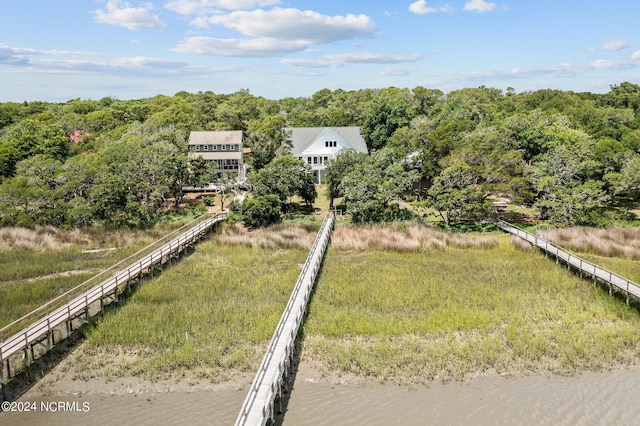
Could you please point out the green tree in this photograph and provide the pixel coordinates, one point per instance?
(285, 177)
(337, 169)
(29, 137)
(564, 178)
(374, 188)
(386, 114)
(261, 211)
(457, 193)
(267, 139)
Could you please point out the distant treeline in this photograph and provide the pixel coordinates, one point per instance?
(574, 157)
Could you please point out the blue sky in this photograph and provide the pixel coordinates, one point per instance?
(56, 50)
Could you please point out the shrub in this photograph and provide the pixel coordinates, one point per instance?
(261, 211)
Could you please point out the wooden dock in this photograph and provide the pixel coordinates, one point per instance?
(54, 321)
(258, 406)
(615, 282)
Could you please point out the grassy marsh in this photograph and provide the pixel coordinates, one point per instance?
(211, 315)
(448, 313)
(36, 265)
(616, 249)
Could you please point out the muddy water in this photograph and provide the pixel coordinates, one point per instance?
(588, 398)
(585, 399)
(220, 407)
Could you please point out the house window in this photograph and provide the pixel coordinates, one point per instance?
(315, 160)
(308, 160)
(325, 160)
(224, 147)
(206, 147)
(197, 148)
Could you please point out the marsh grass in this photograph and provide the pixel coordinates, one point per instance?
(406, 237)
(36, 265)
(448, 314)
(210, 315)
(613, 242)
(283, 235)
(616, 249)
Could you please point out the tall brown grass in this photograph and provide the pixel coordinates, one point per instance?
(520, 244)
(38, 239)
(49, 238)
(300, 236)
(615, 242)
(406, 238)
(395, 237)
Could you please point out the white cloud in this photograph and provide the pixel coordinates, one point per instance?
(479, 6)
(370, 58)
(420, 8)
(636, 56)
(396, 72)
(275, 32)
(341, 59)
(295, 24)
(257, 47)
(613, 45)
(195, 7)
(78, 62)
(133, 18)
(22, 56)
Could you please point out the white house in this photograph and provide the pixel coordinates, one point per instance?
(223, 147)
(317, 146)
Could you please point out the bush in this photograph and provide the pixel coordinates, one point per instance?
(261, 211)
(207, 201)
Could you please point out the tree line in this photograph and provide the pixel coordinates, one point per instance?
(574, 157)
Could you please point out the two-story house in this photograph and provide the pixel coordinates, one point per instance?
(317, 146)
(223, 147)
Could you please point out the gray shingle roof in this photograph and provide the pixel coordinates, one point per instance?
(303, 137)
(215, 137)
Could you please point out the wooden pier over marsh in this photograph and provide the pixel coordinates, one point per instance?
(43, 328)
(268, 383)
(615, 282)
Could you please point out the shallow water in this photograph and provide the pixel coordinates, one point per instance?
(219, 407)
(584, 399)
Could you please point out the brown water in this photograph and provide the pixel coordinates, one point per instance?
(589, 398)
(607, 398)
(219, 407)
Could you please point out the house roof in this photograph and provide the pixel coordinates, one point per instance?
(215, 137)
(304, 137)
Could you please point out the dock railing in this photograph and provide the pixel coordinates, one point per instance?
(615, 281)
(42, 321)
(257, 408)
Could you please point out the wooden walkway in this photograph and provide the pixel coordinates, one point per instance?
(615, 282)
(268, 382)
(38, 329)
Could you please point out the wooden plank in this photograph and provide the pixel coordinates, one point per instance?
(619, 282)
(256, 409)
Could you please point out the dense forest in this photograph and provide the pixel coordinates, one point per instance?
(574, 158)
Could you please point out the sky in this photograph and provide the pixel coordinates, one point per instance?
(57, 50)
